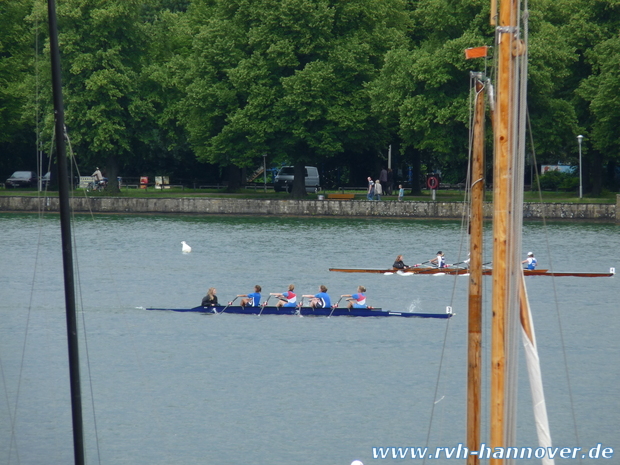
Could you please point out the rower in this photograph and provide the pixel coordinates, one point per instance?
(357, 300)
(531, 261)
(439, 260)
(253, 299)
(399, 264)
(288, 298)
(320, 300)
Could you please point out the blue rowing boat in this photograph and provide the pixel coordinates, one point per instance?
(305, 311)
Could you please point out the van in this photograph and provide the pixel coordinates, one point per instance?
(284, 179)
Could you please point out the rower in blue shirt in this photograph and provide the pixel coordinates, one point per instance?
(531, 261)
(253, 299)
(320, 300)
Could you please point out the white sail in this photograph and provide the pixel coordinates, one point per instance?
(533, 369)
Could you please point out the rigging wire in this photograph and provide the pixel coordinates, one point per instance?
(555, 290)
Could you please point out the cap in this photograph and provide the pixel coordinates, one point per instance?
(530, 253)
(440, 252)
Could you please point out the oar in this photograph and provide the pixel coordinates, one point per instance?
(423, 263)
(299, 306)
(229, 304)
(334, 307)
(264, 305)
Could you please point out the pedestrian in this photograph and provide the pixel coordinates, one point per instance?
(371, 189)
(383, 179)
(401, 192)
(378, 190)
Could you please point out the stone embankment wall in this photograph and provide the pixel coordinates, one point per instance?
(355, 208)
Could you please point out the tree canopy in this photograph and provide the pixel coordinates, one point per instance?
(205, 88)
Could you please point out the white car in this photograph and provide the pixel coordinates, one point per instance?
(284, 179)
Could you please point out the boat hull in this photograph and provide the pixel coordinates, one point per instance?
(306, 311)
(463, 271)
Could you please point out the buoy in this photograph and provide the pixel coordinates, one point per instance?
(186, 248)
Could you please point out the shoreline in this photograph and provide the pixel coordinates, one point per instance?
(608, 213)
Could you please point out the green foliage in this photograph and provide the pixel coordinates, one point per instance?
(558, 181)
(156, 85)
(285, 78)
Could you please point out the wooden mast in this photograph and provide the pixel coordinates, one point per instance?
(474, 352)
(502, 218)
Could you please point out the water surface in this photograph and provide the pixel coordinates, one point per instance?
(187, 388)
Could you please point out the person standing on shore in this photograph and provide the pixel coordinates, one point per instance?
(370, 195)
(383, 180)
(401, 192)
(378, 190)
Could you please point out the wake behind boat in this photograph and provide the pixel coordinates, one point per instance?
(307, 311)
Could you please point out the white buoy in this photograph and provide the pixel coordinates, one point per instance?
(186, 248)
(356, 462)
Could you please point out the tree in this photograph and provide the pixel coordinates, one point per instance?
(422, 91)
(17, 117)
(101, 46)
(285, 78)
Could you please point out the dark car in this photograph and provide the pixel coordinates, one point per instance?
(22, 179)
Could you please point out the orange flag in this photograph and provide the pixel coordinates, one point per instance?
(476, 52)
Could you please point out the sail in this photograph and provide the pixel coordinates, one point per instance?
(534, 372)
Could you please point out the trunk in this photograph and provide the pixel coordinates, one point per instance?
(112, 175)
(234, 178)
(299, 182)
(597, 173)
(413, 156)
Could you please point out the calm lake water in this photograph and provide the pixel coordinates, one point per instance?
(169, 387)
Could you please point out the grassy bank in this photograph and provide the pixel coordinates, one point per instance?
(259, 193)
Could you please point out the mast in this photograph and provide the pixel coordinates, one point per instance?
(507, 220)
(67, 252)
(474, 354)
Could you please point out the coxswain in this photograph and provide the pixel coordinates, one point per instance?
(399, 264)
(210, 300)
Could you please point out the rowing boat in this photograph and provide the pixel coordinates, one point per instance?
(307, 311)
(465, 271)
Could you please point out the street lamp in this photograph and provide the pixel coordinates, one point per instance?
(579, 139)
(265, 171)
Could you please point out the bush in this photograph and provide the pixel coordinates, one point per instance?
(558, 181)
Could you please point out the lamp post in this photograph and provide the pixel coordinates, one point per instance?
(265, 171)
(579, 139)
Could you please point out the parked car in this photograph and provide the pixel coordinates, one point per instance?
(284, 179)
(22, 179)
